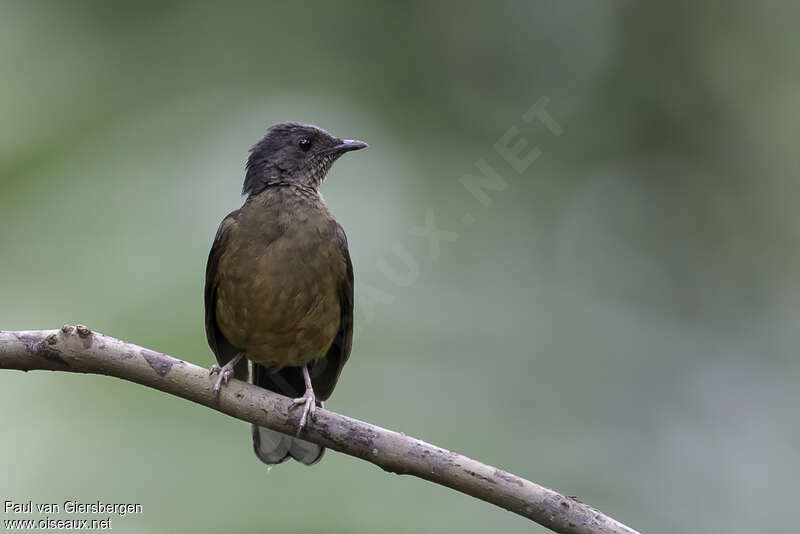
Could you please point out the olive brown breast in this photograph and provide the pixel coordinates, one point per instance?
(278, 290)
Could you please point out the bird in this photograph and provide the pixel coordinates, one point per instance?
(279, 282)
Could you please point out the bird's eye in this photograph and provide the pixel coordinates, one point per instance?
(305, 144)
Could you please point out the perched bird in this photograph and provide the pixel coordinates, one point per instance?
(279, 282)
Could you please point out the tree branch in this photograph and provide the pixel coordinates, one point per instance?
(79, 350)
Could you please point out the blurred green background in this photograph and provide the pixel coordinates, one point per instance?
(620, 323)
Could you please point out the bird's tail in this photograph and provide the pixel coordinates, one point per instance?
(273, 447)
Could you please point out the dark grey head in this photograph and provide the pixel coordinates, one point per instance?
(293, 153)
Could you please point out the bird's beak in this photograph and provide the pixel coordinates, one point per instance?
(347, 145)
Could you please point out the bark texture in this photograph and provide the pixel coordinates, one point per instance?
(77, 349)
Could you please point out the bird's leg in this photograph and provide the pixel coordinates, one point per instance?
(225, 372)
(308, 399)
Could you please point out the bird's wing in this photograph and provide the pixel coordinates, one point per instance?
(221, 347)
(325, 372)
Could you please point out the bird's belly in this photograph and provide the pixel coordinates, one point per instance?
(280, 304)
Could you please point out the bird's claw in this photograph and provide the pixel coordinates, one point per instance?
(225, 373)
(310, 404)
(224, 376)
